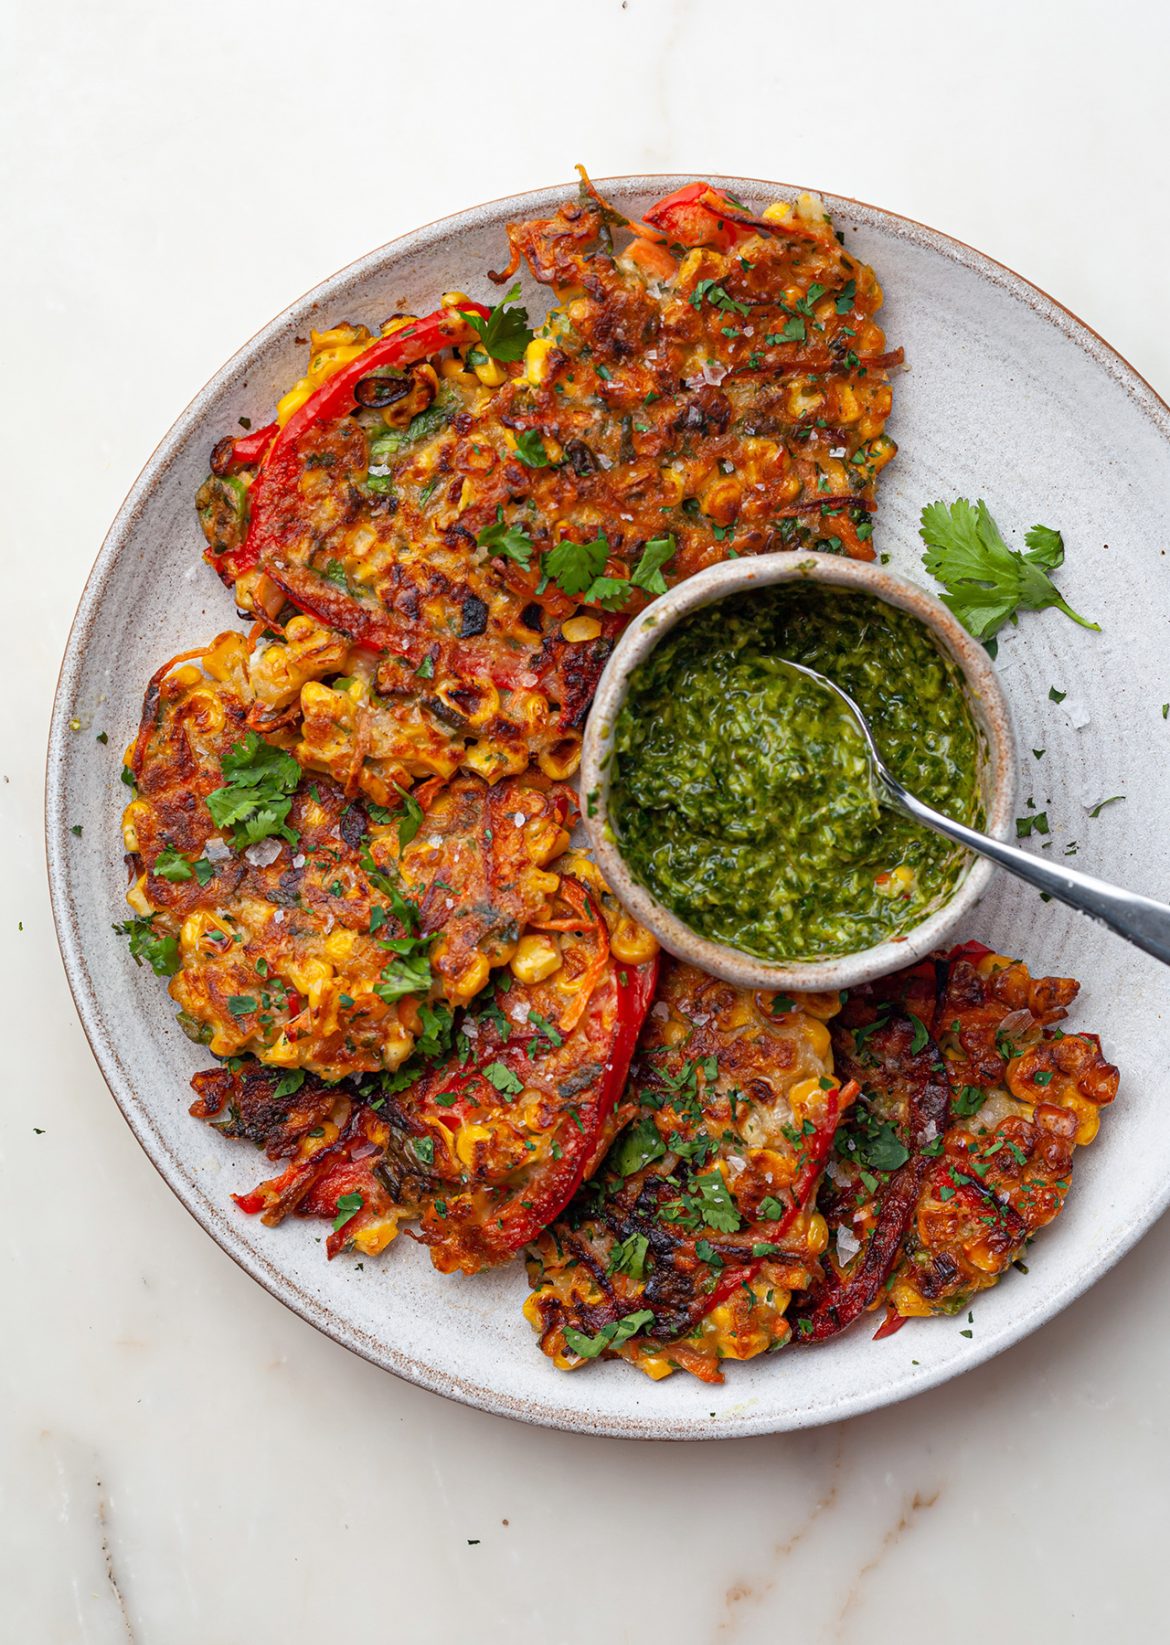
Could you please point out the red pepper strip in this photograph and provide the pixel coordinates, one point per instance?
(521, 1221)
(892, 1322)
(334, 399)
(250, 448)
(698, 214)
(610, 1031)
(973, 951)
(278, 1196)
(836, 1303)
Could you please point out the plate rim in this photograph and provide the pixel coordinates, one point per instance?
(314, 1308)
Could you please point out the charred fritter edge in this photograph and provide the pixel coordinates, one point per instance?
(685, 1249)
(314, 929)
(960, 1146)
(683, 401)
(480, 1147)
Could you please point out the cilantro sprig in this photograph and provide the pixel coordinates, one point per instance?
(505, 334)
(511, 542)
(987, 582)
(578, 569)
(160, 952)
(259, 781)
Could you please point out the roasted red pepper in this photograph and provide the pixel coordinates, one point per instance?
(445, 328)
(698, 215)
(829, 1307)
(521, 1220)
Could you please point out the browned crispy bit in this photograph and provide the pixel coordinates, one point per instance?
(1022, 1095)
(685, 1250)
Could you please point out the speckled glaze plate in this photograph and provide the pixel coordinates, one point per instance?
(1006, 396)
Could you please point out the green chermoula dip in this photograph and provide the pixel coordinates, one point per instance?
(740, 793)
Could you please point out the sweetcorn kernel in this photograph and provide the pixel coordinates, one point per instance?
(137, 898)
(134, 813)
(536, 359)
(537, 957)
(578, 629)
(632, 943)
(339, 945)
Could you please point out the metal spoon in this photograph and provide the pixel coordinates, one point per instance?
(1140, 920)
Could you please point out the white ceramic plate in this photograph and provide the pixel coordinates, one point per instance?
(1008, 397)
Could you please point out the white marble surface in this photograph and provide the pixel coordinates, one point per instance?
(180, 1459)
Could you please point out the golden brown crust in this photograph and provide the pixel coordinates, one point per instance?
(1023, 1095)
(731, 401)
(685, 1249)
(283, 946)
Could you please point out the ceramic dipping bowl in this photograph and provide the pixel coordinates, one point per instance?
(997, 768)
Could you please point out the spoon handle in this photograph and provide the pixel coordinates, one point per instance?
(1140, 920)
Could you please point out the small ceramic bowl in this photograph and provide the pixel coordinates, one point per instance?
(997, 768)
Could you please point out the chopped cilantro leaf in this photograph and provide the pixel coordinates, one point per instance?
(1096, 810)
(647, 573)
(160, 953)
(574, 566)
(409, 819)
(629, 1256)
(636, 1147)
(257, 795)
(348, 1206)
(172, 865)
(507, 540)
(503, 1079)
(505, 334)
(530, 449)
(610, 1336)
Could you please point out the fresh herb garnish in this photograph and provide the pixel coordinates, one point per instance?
(647, 573)
(160, 953)
(172, 865)
(629, 1256)
(502, 1077)
(1096, 810)
(986, 581)
(968, 1100)
(530, 449)
(409, 818)
(507, 540)
(716, 295)
(505, 334)
(1026, 826)
(257, 794)
(348, 1206)
(708, 1203)
(636, 1148)
(610, 1336)
(574, 567)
